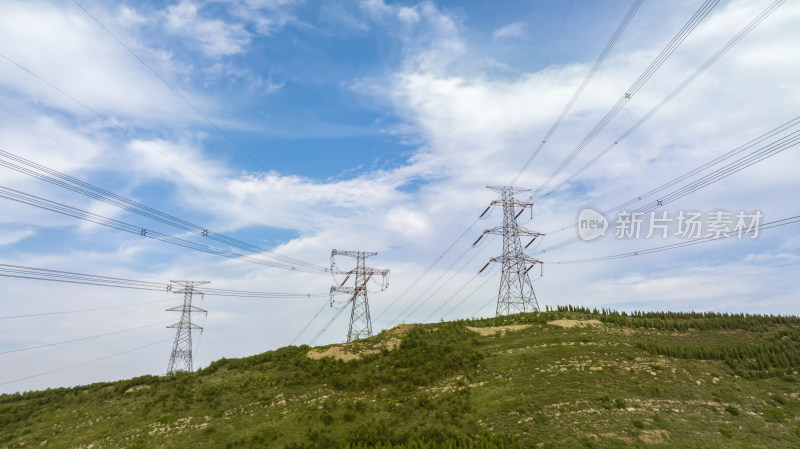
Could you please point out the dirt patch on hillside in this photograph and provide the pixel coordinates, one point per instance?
(400, 330)
(338, 352)
(575, 323)
(490, 331)
(354, 350)
(654, 436)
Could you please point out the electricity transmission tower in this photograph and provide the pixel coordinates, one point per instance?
(360, 322)
(516, 292)
(181, 358)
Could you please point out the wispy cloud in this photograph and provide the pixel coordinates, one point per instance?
(512, 30)
(217, 37)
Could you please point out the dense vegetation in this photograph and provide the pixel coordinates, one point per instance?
(642, 378)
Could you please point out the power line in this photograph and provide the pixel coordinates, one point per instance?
(475, 291)
(456, 272)
(428, 269)
(483, 307)
(61, 208)
(83, 338)
(84, 363)
(17, 271)
(598, 62)
(536, 84)
(405, 312)
(783, 127)
(131, 134)
(313, 318)
(463, 286)
(665, 53)
(255, 294)
(771, 149)
(171, 87)
(84, 310)
(325, 328)
(46, 174)
(709, 62)
(769, 225)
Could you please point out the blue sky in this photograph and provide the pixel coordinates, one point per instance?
(374, 126)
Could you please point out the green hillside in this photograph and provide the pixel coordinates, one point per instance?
(566, 378)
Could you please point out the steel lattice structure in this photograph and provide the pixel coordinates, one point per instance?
(360, 321)
(181, 358)
(516, 291)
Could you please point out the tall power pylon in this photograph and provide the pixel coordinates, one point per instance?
(516, 291)
(181, 358)
(360, 321)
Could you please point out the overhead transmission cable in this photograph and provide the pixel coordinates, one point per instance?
(475, 314)
(333, 318)
(313, 318)
(662, 57)
(47, 345)
(709, 62)
(172, 88)
(85, 363)
(61, 208)
(768, 225)
(33, 169)
(457, 292)
(592, 71)
(17, 271)
(538, 78)
(783, 127)
(132, 134)
(430, 286)
(430, 267)
(63, 312)
(768, 150)
(447, 281)
(471, 294)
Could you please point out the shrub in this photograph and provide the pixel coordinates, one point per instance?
(774, 415)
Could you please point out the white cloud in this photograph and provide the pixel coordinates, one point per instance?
(430, 38)
(512, 30)
(70, 51)
(8, 237)
(217, 37)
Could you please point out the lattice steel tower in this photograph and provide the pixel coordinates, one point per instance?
(360, 321)
(516, 291)
(181, 358)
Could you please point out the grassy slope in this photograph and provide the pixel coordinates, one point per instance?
(596, 386)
